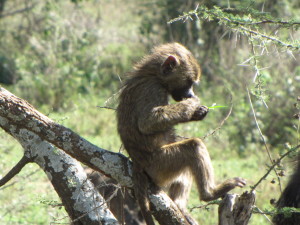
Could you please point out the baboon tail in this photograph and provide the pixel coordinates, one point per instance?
(141, 183)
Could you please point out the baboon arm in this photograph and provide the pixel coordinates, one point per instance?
(162, 118)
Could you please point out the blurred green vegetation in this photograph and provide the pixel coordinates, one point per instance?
(68, 57)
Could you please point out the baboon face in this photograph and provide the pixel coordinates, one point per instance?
(184, 92)
(179, 75)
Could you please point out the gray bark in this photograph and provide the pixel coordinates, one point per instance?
(39, 131)
(82, 201)
(236, 210)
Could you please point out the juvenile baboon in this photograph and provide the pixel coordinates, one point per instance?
(146, 121)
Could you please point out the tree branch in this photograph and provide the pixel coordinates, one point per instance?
(80, 198)
(263, 138)
(238, 24)
(15, 170)
(18, 117)
(18, 114)
(276, 163)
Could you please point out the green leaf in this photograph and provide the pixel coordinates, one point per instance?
(217, 106)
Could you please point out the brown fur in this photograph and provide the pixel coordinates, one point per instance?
(146, 121)
(290, 197)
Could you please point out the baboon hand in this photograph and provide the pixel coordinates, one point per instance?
(200, 113)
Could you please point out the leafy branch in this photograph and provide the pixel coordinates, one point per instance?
(286, 211)
(246, 21)
(258, 77)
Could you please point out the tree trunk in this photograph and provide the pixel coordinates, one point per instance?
(236, 210)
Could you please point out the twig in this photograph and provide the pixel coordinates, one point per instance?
(15, 170)
(215, 202)
(263, 138)
(273, 166)
(222, 122)
(263, 213)
(269, 38)
(22, 178)
(270, 22)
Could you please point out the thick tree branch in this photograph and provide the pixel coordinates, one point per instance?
(17, 115)
(80, 198)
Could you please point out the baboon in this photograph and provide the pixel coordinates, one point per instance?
(146, 121)
(290, 197)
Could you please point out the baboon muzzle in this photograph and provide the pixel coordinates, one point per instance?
(182, 93)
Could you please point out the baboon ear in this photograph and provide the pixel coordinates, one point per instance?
(169, 64)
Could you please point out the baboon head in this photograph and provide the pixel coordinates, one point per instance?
(179, 70)
(174, 66)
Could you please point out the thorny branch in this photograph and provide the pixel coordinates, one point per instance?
(273, 39)
(238, 24)
(263, 138)
(275, 163)
(202, 10)
(258, 74)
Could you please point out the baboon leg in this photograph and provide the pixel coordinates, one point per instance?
(179, 189)
(179, 192)
(190, 154)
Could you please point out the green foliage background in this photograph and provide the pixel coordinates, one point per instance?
(68, 57)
